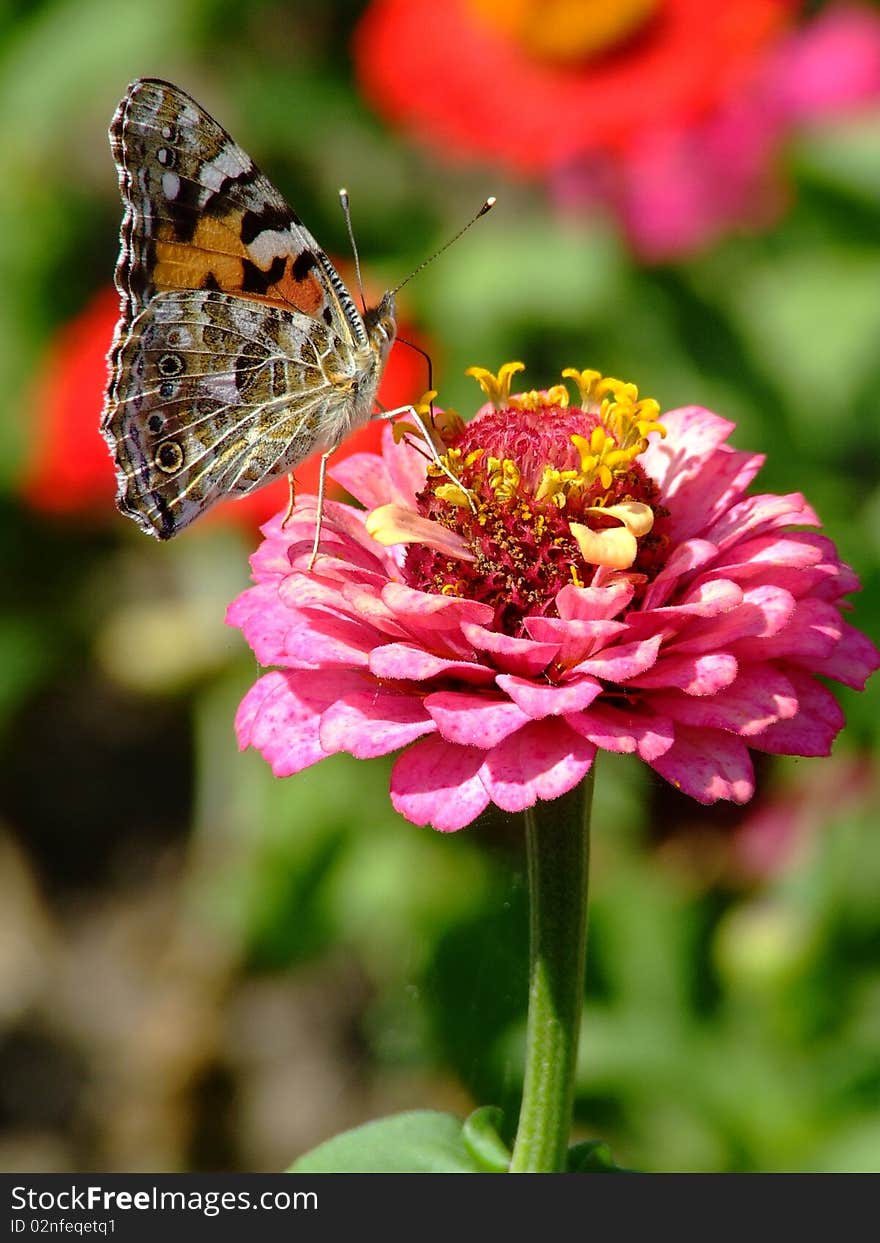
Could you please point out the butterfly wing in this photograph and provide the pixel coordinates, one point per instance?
(216, 395)
(199, 214)
(239, 351)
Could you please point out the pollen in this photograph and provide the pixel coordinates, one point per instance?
(542, 492)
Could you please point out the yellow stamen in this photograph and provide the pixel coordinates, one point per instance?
(453, 495)
(496, 387)
(537, 399)
(504, 478)
(555, 485)
(586, 382)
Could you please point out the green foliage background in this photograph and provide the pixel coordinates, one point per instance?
(206, 968)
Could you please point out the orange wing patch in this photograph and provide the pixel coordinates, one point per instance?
(216, 258)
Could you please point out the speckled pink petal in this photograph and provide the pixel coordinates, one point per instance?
(751, 557)
(593, 603)
(842, 583)
(317, 639)
(474, 720)
(852, 662)
(814, 727)
(813, 633)
(280, 719)
(695, 675)
(625, 730)
(703, 498)
(365, 476)
(367, 606)
(263, 621)
(542, 760)
(758, 514)
(708, 765)
(510, 655)
(407, 468)
(576, 639)
(425, 614)
(764, 611)
(407, 661)
(540, 699)
(435, 782)
(373, 721)
(797, 582)
(760, 696)
(711, 600)
(685, 559)
(626, 660)
(298, 591)
(271, 559)
(692, 434)
(339, 567)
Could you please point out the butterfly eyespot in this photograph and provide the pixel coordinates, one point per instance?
(155, 422)
(166, 156)
(169, 132)
(167, 389)
(170, 365)
(169, 457)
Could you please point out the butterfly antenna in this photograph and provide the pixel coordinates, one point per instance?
(346, 211)
(427, 357)
(487, 206)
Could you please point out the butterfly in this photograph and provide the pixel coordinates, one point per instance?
(239, 351)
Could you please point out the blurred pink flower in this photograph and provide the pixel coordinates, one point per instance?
(678, 187)
(593, 580)
(773, 835)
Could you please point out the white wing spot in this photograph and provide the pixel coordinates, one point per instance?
(162, 155)
(269, 245)
(170, 185)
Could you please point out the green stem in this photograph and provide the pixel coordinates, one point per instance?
(557, 843)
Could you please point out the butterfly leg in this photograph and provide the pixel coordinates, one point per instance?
(322, 475)
(432, 448)
(290, 500)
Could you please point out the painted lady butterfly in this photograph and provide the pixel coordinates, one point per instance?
(239, 351)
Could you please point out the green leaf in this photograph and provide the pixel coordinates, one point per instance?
(593, 1156)
(421, 1142)
(481, 1138)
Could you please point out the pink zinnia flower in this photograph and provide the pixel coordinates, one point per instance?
(582, 578)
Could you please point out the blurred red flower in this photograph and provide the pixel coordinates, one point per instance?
(68, 470)
(669, 111)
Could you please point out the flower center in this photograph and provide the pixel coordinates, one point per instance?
(566, 31)
(547, 493)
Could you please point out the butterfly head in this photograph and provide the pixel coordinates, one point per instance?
(381, 325)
